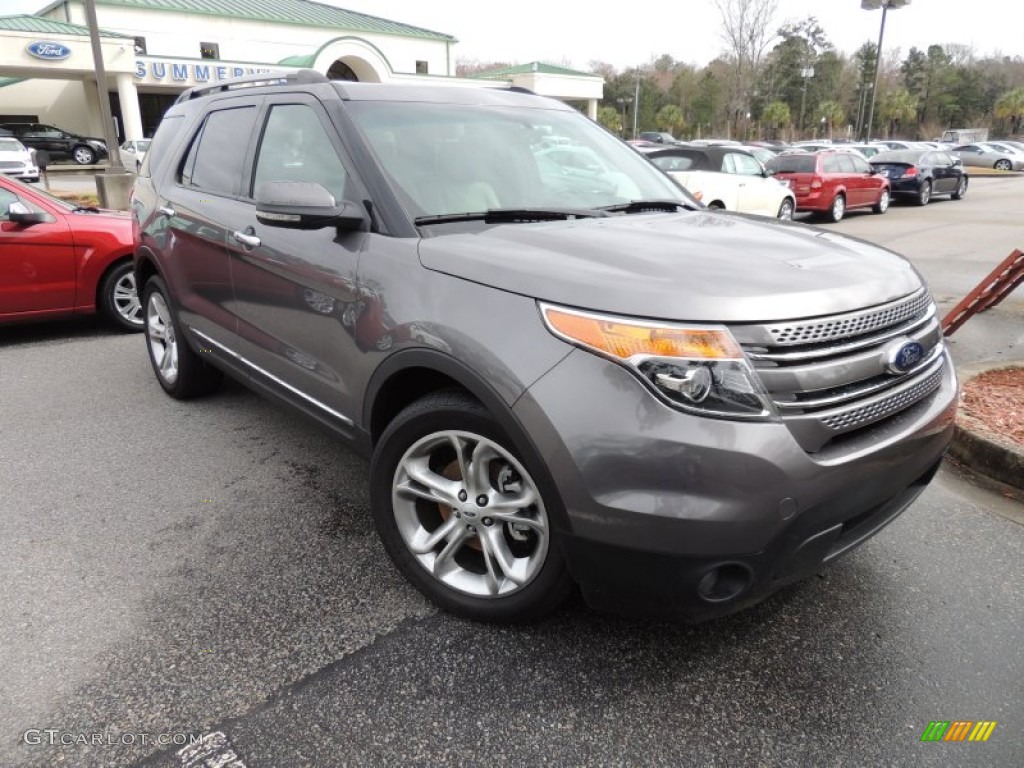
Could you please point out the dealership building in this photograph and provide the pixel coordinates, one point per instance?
(155, 49)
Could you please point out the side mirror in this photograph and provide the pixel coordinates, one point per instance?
(304, 205)
(19, 213)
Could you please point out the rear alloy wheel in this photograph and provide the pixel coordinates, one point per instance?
(181, 372)
(83, 155)
(924, 194)
(838, 209)
(462, 516)
(961, 189)
(1003, 165)
(120, 300)
(786, 210)
(883, 202)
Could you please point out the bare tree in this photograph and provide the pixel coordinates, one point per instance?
(748, 26)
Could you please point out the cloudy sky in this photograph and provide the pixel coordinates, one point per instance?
(579, 31)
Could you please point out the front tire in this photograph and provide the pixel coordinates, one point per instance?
(181, 372)
(883, 202)
(1003, 165)
(461, 516)
(119, 298)
(837, 209)
(83, 155)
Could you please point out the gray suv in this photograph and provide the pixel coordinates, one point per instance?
(560, 379)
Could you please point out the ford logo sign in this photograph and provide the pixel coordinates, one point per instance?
(43, 49)
(902, 355)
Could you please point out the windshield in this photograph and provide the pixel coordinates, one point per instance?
(451, 158)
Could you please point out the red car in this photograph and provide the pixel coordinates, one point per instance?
(59, 259)
(832, 182)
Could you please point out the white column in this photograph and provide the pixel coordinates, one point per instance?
(130, 114)
(592, 109)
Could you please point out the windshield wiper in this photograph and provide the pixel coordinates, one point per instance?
(512, 215)
(642, 206)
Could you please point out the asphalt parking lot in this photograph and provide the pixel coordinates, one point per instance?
(173, 570)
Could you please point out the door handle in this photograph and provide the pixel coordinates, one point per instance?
(246, 239)
(166, 210)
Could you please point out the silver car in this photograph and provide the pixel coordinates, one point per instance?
(133, 152)
(983, 156)
(559, 379)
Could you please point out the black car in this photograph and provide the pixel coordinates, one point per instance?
(921, 174)
(60, 144)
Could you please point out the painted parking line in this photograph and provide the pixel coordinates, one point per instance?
(214, 750)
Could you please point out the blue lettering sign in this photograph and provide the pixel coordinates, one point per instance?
(140, 69)
(222, 73)
(159, 70)
(202, 72)
(237, 72)
(179, 72)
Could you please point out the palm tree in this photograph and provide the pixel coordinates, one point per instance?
(833, 113)
(1011, 106)
(776, 115)
(609, 117)
(899, 105)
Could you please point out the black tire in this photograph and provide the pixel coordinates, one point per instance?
(119, 299)
(1003, 165)
(884, 198)
(786, 210)
(83, 155)
(454, 411)
(924, 194)
(837, 210)
(961, 189)
(715, 205)
(193, 376)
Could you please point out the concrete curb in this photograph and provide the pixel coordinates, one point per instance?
(982, 450)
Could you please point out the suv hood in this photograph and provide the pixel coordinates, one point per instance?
(700, 266)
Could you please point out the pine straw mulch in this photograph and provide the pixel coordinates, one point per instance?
(996, 399)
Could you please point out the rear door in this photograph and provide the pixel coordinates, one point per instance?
(945, 173)
(203, 205)
(755, 194)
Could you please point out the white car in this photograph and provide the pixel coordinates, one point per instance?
(133, 152)
(726, 177)
(16, 160)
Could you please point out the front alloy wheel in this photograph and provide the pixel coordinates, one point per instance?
(883, 202)
(83, 156)
(1003, 165)
(786, 210)
(162, 339)
(838, 209)
(462, 516)
(119, 298)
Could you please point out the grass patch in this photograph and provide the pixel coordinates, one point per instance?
(77, 198)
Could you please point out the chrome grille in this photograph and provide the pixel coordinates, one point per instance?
(828, 376)
(868, 414)
(851, 324)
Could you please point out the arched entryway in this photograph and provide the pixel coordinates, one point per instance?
(352, 58)
(339, 70)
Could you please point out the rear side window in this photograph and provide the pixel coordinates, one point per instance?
(215, 159)
(832, 164)
(793, 164)
(673, 163)
(165, 132)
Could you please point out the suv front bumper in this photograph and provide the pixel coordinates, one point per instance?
(678, 515)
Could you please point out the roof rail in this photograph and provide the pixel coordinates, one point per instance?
(302, 77)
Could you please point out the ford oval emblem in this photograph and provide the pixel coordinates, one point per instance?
(43, 49)
(902, 355)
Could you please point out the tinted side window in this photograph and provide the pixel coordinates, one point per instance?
(6, 198)
(860, 165)
(745, 164)
(295, 147)
(166, 131)
(793, 164)
(832, 164)
(218, 152)
(673, 162)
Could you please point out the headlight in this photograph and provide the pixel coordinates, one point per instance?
(697, 368)
(97, 144)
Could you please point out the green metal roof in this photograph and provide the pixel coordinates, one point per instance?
(302, 12)
(306, 60)
(5, 81)
(26, 23)
(534, 66)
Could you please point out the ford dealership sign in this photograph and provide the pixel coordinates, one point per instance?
(43, 49)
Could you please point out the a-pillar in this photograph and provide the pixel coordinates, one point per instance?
(130, 114)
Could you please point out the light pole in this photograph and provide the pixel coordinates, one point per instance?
(622, 103)
(636, 102)
(806, 73)
(874, 5)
